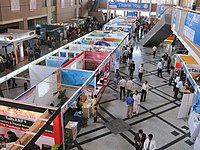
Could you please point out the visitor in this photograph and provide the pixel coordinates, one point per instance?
(154, 51)
(178, 87)
(145, 87)
(139, 138)
(136, 98)
(14, 58)
(129, 102)
(129, 86)
(95, 114)
(131, 52)
(194, 6)
(11, 137)
(177, 78)
(159, 68)
(131, 68)
(149, 143)
(140, 72)
(116, 78)
(168, 64)
(171, 75)
(122, 84)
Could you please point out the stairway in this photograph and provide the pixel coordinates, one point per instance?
(160, 31)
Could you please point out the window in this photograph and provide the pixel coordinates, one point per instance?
(44, 3)
(53, 2)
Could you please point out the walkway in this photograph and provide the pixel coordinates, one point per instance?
(158, 115)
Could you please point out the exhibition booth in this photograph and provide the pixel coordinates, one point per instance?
(13, 41)
(191, 99)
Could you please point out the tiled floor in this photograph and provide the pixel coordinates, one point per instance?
(158, 115)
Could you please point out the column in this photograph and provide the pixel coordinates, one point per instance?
(49, 14)
(23, 24)
(77, 8)
(21, 48)
(150, 9)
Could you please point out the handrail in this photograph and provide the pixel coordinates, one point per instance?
(182, 8)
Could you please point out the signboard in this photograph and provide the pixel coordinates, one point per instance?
(33, 5)
(15, 5)
(191, 28)
(174, 19)
(129, 5)
(161, 9)
(193, 68)
(179, 21)
(132, 13)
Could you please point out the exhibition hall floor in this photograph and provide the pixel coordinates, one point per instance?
(158, 115)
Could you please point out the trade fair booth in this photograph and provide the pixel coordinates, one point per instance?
(191, 100)
(13, 41)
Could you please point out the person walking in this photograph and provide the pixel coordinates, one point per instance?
(131, 68)
(177, 78)
(131, 52)
(136, 98)
(145, 87)
(154, 51)
(122, 84)
(129, 86)
(179, 85)
(159, 68)
(194, 6)
(116, 78)
(168, 64)
(140, 72)
(129, 102)
(139, 138)
(149, 143)
(171, 75)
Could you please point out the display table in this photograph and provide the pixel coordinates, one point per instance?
(184, 90)
(72, 129)
(197, 144)
(194, 124)
(87, 109)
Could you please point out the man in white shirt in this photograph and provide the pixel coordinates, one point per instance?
(129, 86)
(122, 84)
(179, 85)
(159, 68)
(176, 81)
(149, 143)
(154, 51)
(145, 87)
(141, 71)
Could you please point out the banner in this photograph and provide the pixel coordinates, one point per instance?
(191, 28)
(55, 61)
(15, 5)
(129, 5)
(161, 9)
(75, 77)
(33, 4)
(132, 13)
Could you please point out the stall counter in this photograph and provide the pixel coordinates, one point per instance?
(194, 124)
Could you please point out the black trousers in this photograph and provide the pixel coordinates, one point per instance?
(128, 92)
(140, 76)
(143, 95)
(176, 92)
(159, 73)
(154, 54)
(131, 72)
(174, 86)
(122, 90)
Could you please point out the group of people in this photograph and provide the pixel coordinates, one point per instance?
(143, 142)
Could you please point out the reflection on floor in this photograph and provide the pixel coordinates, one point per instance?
(158, 115)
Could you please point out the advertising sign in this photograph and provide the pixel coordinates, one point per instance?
(54, 61)
(129, 5)
(191, 28)
(174, 19)
(132, 13)
(161, 9)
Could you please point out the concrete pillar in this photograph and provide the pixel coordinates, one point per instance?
(49, 14)
(21, 48)
(77, 8)
(23, 24)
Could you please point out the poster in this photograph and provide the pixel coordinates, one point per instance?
(33, 4)
(62, 3)
(129, 5)
(191, 28)
(15, 5)
(161, 9)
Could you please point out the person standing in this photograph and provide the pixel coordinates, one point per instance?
(129, 102)
(159, 68)
(179, 85)
(149, 143)
(116, 78)
(122, 84)
(154, 51)
(171, 75)
(95, 114)
(136, 98)
(129, 86)
(176, 81)
(139, 139)
(131, 68)
(168, 64)
(141, 71)
(131, 52)
(194, 6)
(145, 87)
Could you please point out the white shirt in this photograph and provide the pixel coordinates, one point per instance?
(129, 85)
(159, 65)
(177, 79)
(122, 83)
(136, 99)
(141, 69)
(145, 86)
(154, 48)
(179, 85)
(152, 144)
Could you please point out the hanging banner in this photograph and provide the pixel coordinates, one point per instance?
(129, 5)
(15, 5)
(62, 3)
(191, 28)
(132, 13)
(33, 5)
(161, 9)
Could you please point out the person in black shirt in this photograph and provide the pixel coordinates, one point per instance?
(194, 6)
(12, 136)
(131, 68)
(139, 140)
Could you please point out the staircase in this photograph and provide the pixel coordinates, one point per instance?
(160, 31)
